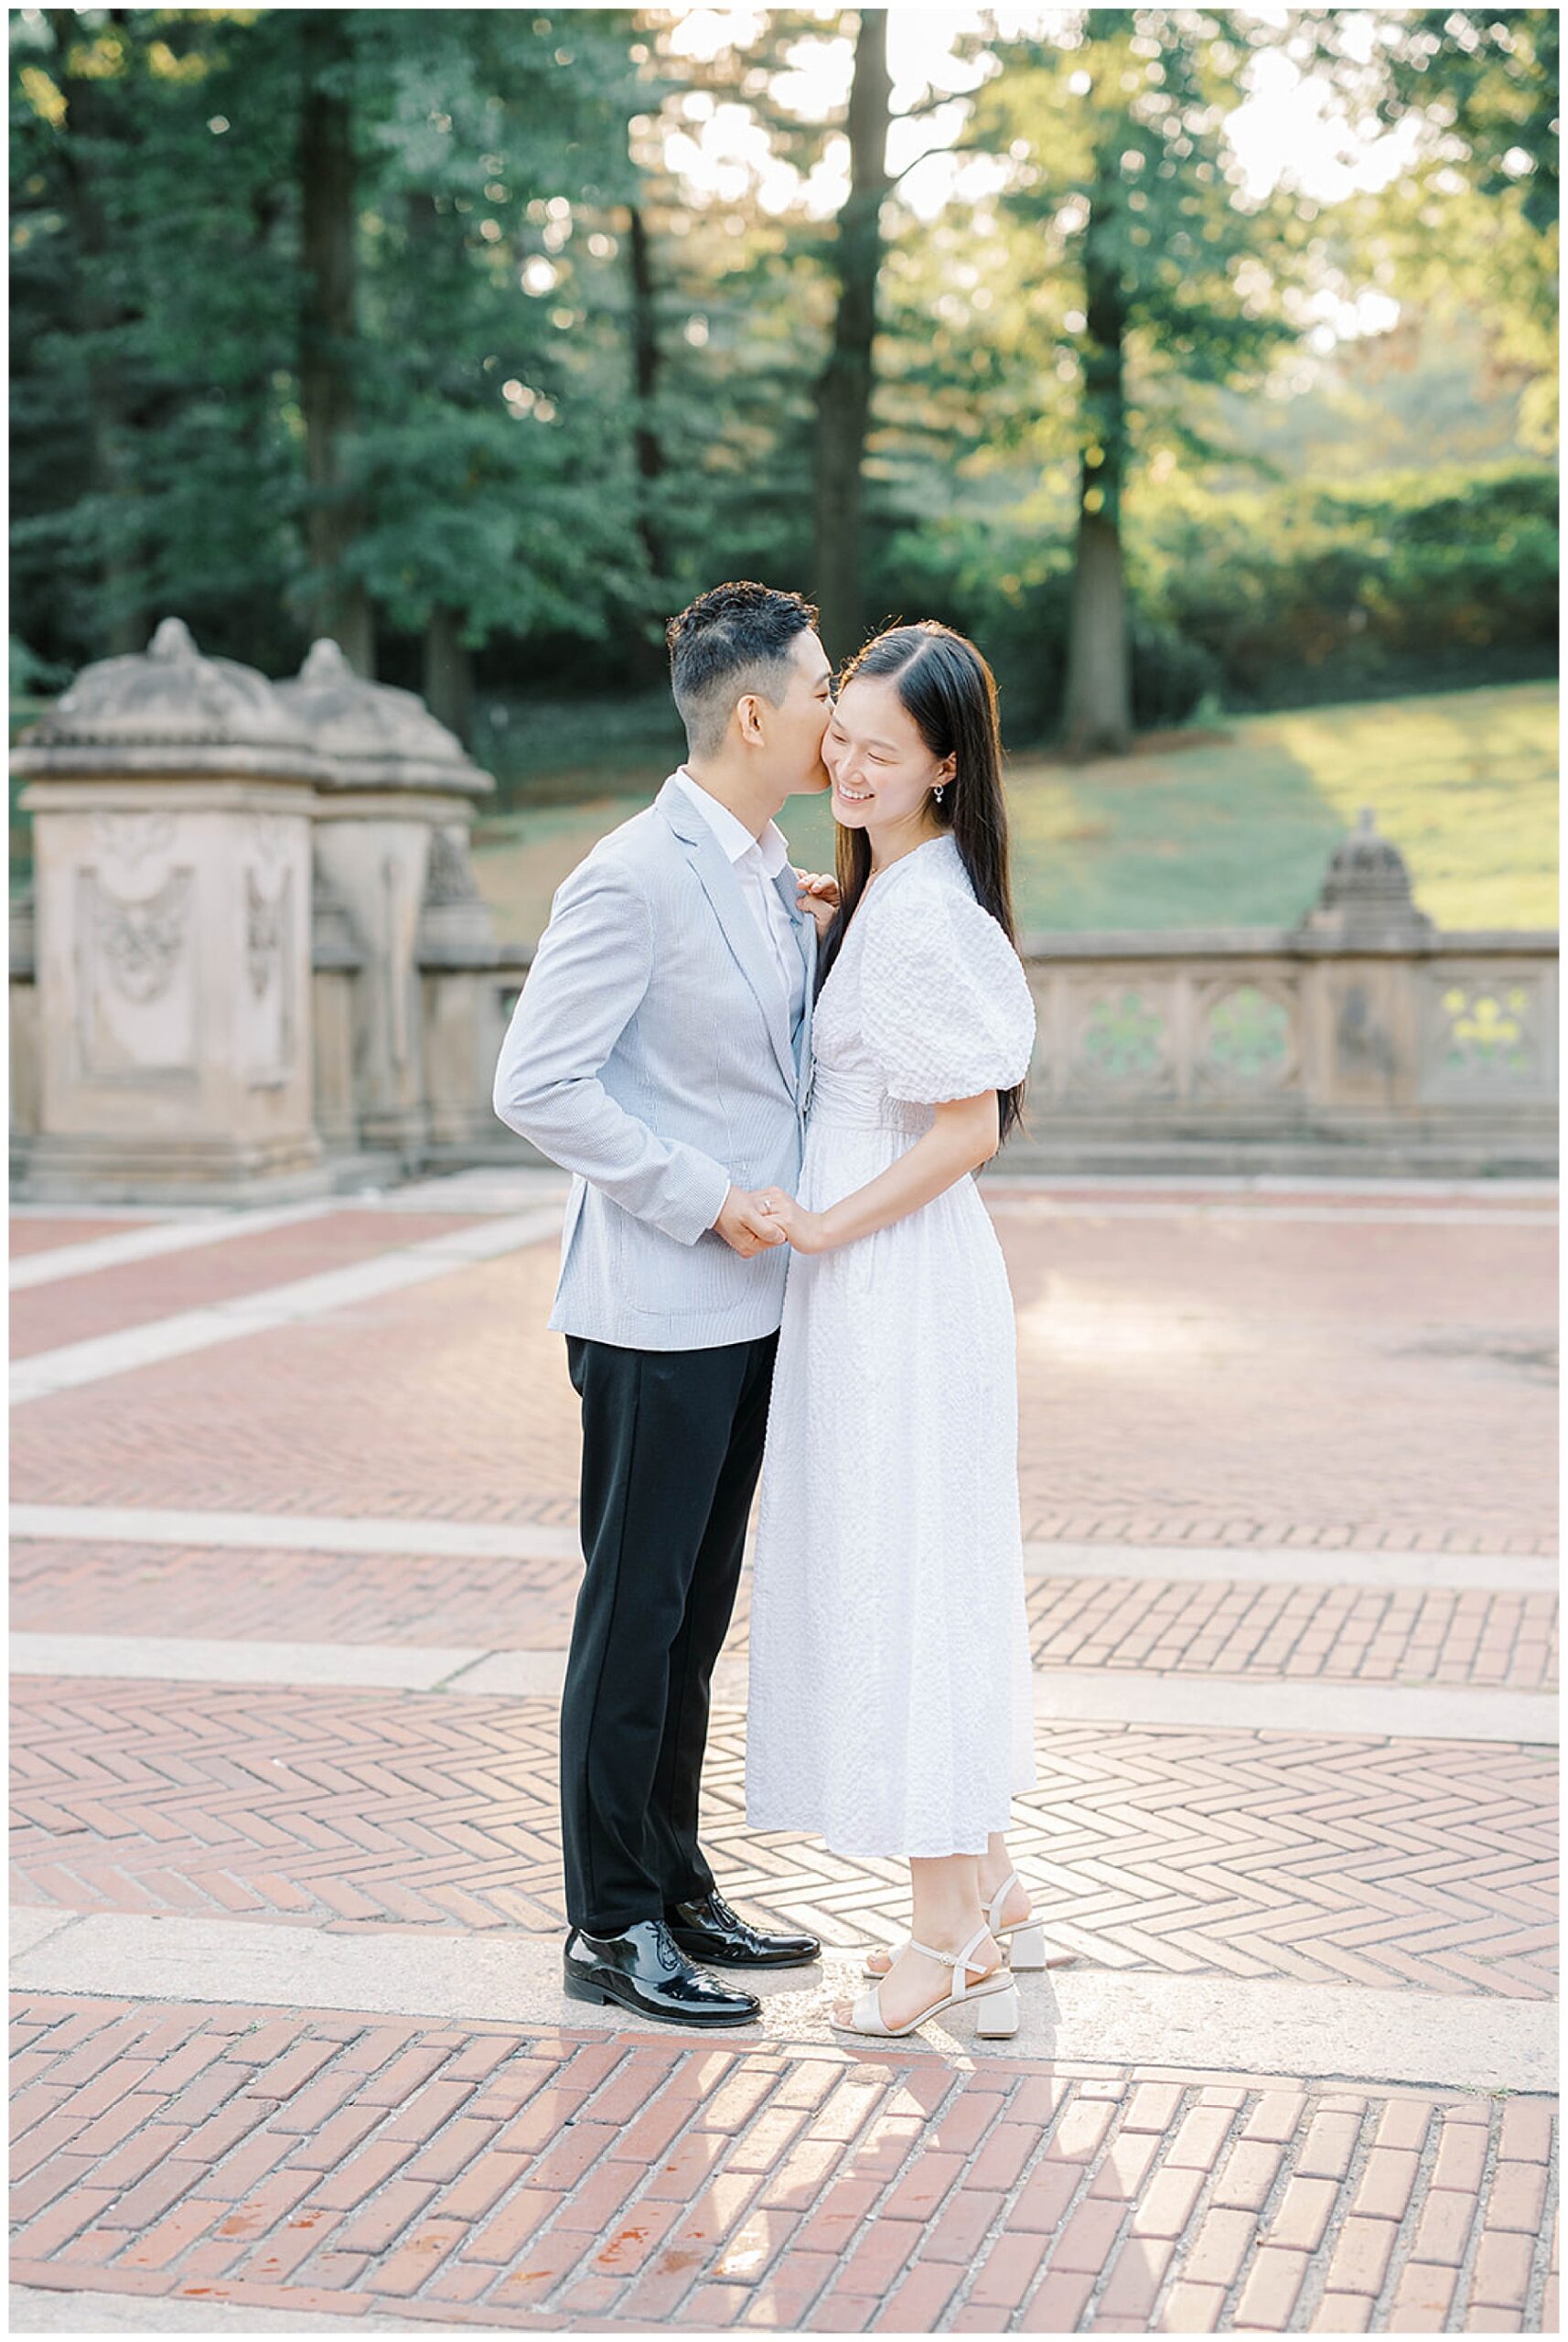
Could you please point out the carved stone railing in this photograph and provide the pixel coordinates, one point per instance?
(258, 963)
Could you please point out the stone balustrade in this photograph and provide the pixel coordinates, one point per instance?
(258, 964)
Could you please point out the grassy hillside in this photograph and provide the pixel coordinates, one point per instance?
(1228, 828)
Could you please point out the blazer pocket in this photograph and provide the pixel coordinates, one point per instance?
(661, 1278)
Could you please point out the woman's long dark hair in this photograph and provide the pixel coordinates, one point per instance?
(949, 692)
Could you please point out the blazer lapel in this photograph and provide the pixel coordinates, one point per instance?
(721, 885)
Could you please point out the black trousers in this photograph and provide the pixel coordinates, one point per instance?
(672, 1449)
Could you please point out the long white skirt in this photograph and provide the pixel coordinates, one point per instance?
(890, 1695)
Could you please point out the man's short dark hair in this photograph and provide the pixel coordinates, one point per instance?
(737, 639)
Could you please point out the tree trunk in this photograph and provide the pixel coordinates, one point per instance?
(646, 363)
(843, 393)
(339, 607)
(89, 123)
(1099, 712)
(648, 658)
(448, 675)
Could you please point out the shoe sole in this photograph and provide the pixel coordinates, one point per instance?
(602, 1997)
(719, 1959)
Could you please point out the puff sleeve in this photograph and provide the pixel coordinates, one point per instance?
(946, 1008)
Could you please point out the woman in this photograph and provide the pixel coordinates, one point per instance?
(890, 1702)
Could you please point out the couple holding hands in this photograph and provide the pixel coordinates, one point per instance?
(772, 1093)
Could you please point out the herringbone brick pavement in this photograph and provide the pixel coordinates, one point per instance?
(1181, 1381)
(1336, 1633)
(106, 1301)
(332, 2163)
(1239, 1854)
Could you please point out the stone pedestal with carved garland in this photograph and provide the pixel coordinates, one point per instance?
(390, 843)
(171, 797)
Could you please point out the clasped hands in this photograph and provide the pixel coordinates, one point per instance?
(753, 1223)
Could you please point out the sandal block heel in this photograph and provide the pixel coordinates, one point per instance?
(1026, 1949)
(996, 2014)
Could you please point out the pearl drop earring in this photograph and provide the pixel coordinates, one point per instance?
(936, 792)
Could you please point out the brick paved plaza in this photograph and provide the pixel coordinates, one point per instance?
(295, 1559)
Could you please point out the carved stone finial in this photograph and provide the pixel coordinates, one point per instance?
(1366, 894)
(457, 926)
(373, 736)
(166, 709)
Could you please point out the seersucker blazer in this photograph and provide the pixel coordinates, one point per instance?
(650, 1054)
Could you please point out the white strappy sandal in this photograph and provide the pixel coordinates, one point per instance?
(994, 1999)
(1026, 1948)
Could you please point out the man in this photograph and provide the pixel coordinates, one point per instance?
(660, 1052)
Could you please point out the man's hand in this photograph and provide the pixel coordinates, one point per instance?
(745, 1228)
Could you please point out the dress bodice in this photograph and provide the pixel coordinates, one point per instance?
(926, 1001)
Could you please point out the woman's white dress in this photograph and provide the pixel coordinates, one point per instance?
(890, 1699)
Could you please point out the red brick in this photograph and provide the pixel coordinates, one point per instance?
(1461, 2156)
(164, 2242)
(798, 2180)
(916, 2306)
(151, 2196)
(1197, 2143)
(1007, 2272)
(1303, 2213)
(1077, 2135)
(1386, 2179)
(751, 2249)
(763, 2142)
(404, 2270)
(502, 2237)
(353, 2181)
(287, 2247)
(1166, 2206)
(1443, 2230)
(1331, 2144)
(1421, 2299)
(1360, 2260)
(1045, 2197)
(1152, 2107)
(1518, 2196)
(1217, 2252)
(1500, 2278)
(1246, 2177)
(782, 2301)
(1125, 2164)
(1343, 2314)
(1526, 2133)
(1003, 2155)
(965, 2121)
(684, 2173)
(1404, 2123)
(1192, 2309)
(1273, 2284)
(961, 2226)
(1057, 2304)
(627, 2240)
(829, 2226)
(925, 2182)
(376, 2225)
(1135, 2279)
(1087, 2237)
(572, 2155)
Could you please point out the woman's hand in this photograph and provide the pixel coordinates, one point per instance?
(804, 1231)
(819, 894)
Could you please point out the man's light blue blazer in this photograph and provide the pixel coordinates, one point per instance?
(650, 1056)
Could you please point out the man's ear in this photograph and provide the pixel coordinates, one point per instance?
(748, 716)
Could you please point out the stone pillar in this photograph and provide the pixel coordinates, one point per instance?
(459, 957)
(393, 778)
(1362, 1039)
(171, 796)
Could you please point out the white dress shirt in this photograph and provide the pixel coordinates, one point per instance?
(757, 862)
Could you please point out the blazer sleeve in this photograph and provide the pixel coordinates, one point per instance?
(588, 981)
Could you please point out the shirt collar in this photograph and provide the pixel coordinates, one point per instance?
(732, 833)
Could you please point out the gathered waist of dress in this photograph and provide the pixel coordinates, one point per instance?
(859, 1101)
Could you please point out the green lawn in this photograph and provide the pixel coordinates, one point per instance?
(1230, 831)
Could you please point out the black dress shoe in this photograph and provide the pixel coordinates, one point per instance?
(643, 1968)
(711, 1930)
